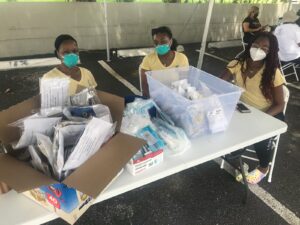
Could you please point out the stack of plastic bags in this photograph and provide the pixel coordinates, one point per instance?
(66, 131)
(143, 118)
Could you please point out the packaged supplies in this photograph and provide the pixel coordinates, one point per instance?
(96, 133)
(54, 92)
(81, 113)
(33, 125)
(175, 138)
(150, 154)
(87, 96)
(196, 101)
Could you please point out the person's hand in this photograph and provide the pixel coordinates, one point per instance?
(3, 188)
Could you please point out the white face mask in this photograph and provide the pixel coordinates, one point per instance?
(257, 54)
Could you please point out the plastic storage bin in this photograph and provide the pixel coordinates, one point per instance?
(211, 114)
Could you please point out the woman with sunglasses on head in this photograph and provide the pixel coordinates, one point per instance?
(251, 25)
(257, 72)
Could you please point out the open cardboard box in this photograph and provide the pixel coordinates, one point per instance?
(71, 198)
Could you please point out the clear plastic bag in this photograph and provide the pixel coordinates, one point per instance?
(86, 97)
(54, 92)
(194, 122)
(66, 137)
(131, 124)
(45, 145)
(20, 123)
(217, 121)
(154, 142)
(175, 137)
(145, 108)
(95, 134)
(37, 162)
(53, 111)
(34, 125)
(139, 107)
(81, 113)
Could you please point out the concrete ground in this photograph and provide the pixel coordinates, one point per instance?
(204, 194)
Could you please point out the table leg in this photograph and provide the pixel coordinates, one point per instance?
(244, 180)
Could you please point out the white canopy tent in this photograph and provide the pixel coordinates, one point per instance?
(204, 36)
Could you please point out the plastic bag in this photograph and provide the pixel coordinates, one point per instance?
(66, 136)
(216, 118)
(77, 113)
(53, 111)
(131, 124)
(44, 145)
(95, 134)
(154, 142)
(145, 108)
(34, 125)
(37, 162)
(86, 97)
(20, 122)
(54, 92)
(139, 107)
(175, 138)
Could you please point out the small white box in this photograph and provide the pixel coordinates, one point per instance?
(138, 166)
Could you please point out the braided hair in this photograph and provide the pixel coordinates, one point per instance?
(271, 63)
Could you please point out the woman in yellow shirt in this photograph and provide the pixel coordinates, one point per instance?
(257, 72)
(66, 49)
(164, 57)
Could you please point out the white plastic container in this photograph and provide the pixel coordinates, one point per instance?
(211, 114)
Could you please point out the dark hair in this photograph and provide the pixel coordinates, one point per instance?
(165, 30)
(60, 39)
(271, 63)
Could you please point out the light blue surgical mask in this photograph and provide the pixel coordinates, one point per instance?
(162, 49)
(70, 60)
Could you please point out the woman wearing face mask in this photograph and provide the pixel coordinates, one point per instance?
(66, 49)
(164, 57)
(251, 25)
(256, 71)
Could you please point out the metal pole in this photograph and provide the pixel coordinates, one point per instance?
(290, 5)
(106, 32)
(205, 33)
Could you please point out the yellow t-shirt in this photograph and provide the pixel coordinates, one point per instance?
(152, 62)
(253, 95)
(87, 79)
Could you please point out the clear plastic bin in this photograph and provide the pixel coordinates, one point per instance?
(211, 114)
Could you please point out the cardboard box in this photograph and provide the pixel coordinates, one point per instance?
(71, 198)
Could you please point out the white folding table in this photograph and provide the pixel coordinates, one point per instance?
(244, 130)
